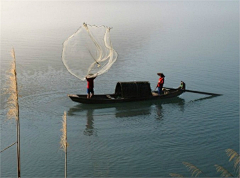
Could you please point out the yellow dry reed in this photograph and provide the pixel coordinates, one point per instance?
(224, 172)
(235, 157)
(63, 141)
(12, 105)
(193, 169)
(12, 91)
(175, 175)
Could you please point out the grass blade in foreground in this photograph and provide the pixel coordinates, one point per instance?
(63, 141)
(193, 169)
(13, 107)
(234, 156)
(225, 172)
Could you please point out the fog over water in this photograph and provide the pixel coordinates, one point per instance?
(193, 41)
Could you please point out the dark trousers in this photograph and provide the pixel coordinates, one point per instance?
(160, 90)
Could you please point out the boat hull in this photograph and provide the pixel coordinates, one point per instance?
(112, 98)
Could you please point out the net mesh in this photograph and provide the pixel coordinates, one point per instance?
(89, 51)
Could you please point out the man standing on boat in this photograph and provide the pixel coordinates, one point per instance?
(160, 83)
(90, 85)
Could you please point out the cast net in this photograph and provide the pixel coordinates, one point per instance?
(89, 51)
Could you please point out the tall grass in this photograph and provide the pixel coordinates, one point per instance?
(193, 169)
(63, 141)
(13, 106)
(233, 156)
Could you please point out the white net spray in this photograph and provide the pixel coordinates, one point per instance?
(89, 51)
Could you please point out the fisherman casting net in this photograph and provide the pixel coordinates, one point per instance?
(89, 51)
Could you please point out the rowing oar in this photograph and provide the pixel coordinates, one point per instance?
(200, 92)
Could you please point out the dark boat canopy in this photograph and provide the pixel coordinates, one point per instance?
(133, 89)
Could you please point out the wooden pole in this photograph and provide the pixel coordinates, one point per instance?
(205, 93)
(199, 92)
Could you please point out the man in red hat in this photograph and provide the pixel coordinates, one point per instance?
(160, 83)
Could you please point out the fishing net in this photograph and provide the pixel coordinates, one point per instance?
(89, 51)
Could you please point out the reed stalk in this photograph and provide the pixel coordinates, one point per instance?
(8, 147)
(233, 156)
(175, 175)
(193, 169)
(13, 106)
(63, 141)
(224, 172)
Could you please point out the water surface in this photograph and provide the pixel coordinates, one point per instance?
(197, 42)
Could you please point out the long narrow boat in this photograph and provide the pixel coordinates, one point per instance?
(128, 92)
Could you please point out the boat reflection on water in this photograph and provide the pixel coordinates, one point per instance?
(89, 130)
(176, 102)
(205, 98)
(127, 110)
(146, 108)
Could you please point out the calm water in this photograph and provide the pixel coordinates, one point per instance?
(197, 42)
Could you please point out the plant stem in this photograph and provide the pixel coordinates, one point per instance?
(17, 118)
(66, 152)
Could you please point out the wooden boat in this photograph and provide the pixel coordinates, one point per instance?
(128, 92)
